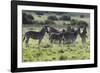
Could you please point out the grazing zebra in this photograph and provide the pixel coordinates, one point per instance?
(70, 37)
(54, 34)
(35, 35)
(57, 36)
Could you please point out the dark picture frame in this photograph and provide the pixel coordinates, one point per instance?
(14, 35)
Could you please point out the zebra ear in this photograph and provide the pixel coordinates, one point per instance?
(48, 28)
(75, 28)
(63, 30)
(81, 30)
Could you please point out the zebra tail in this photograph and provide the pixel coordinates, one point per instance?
(23, 38)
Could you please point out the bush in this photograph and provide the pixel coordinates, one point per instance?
(38, 22)
(52, 18)
(82, 16)
(49, 22)
(30, 17)
(74, 22)
(35, 22)
(82, 24)
(64, 17)
(41, 23)
(39, 13)
(27, 18)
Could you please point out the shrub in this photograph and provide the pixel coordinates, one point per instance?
(82, 24)
(38, 22)
(52, 18)
(82, 16)
(47, 22)
(27, 18)
(39, 13)
(64, 17)
(74, 22)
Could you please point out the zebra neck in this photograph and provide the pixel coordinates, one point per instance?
(42, 33)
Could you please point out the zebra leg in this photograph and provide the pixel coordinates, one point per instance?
(73, 42)
(63, 41)
(59, 42)
(84, 41)
(27, 40)
(51, 41)
(39, 41)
